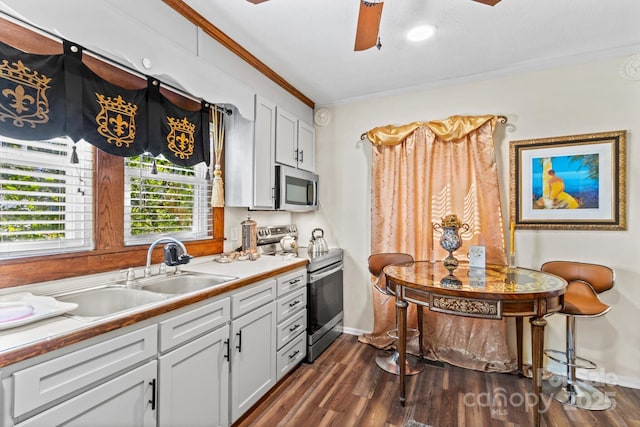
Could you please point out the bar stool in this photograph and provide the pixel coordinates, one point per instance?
(377, 262)
(581, 299)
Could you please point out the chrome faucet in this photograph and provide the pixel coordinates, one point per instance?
(173, 259)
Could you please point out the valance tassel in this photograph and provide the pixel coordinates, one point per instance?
(154, 168)
(74, 156)
(208, 175)
(217, 193)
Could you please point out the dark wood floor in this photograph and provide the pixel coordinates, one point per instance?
(344, 387)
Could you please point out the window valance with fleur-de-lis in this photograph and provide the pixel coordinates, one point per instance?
(46, 96)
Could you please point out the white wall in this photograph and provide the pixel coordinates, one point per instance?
(585, 98)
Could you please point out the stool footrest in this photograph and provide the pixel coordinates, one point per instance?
(585, 363)
(411, 333)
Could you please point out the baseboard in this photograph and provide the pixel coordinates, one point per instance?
(352, 331)
(596, 376)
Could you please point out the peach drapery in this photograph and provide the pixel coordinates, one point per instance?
(420, 173)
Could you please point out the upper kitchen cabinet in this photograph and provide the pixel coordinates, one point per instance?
(306, 146)
(249, 159)
(295, 141)
(264, 146)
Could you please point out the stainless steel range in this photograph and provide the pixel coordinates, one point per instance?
(324, 287)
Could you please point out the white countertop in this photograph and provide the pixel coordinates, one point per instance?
(17, 338)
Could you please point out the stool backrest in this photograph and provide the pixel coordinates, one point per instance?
(379, 261)
(599, 277)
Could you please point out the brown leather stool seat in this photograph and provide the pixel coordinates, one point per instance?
(585, 282)
(377, 262)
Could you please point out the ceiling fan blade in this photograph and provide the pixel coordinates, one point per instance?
(368, 25)
(261, 1)
(489, 2)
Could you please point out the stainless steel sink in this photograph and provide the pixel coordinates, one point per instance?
(107, 300)
(183, 283)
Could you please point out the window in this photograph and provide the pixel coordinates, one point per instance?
(172, 202)
(45, 200)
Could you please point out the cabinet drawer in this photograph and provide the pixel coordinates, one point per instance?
(186, 326)
(292, 281)
(291, 304)
(291, 327)
(291, 355)
(249, 299)
(122, 401)
(64, 375)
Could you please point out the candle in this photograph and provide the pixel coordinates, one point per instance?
(512, 242)
(432, 255)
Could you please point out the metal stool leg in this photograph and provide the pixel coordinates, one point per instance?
(569, 390)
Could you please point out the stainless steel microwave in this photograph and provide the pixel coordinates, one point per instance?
(296, 190)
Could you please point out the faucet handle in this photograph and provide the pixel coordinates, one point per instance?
(130, 275)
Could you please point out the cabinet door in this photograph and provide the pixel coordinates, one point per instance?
(194, 382)
(286, 138)
(253, 364)
(127, 400)
(264, 147)
(306, 147)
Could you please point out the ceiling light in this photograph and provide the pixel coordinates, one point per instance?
(420, 33)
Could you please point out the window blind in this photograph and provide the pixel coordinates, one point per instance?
(172, 202)
(46, 202)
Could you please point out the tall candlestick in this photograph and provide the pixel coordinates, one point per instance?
(512, 242)
(432, 255)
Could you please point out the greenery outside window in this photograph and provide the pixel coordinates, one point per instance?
(46, 202)
(172, 202)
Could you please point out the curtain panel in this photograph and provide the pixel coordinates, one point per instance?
(47, 96)
(418, 176)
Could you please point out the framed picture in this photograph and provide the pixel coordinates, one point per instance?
(573, 182)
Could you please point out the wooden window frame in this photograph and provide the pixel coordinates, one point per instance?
(110, 253)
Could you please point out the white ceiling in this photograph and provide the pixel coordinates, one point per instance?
(310, 42)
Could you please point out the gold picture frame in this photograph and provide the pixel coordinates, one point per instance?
(575, 182)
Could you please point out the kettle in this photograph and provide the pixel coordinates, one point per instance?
(317, 244)
(288, 243)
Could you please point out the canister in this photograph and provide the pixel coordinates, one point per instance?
(249, 235)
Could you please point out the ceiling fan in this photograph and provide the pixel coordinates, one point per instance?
(369, 22)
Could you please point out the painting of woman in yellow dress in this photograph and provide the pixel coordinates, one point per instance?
(577, 187)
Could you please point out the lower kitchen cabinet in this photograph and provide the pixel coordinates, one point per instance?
(194, 382)
(253, 360)
(127, 400)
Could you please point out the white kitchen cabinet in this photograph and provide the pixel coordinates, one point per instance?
(54, 380)
(295, 141)
(194, 374)
(127, 400)
(253, 360)
(264, 152)
(250, 159)
(194, 382)
(286, 138)
(306, 146)
(291, 317)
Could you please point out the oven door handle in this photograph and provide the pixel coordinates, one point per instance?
(314, 277)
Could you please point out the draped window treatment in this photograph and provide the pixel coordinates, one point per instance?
(48, 96)
(420, 173)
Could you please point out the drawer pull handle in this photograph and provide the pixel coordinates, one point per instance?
(293, 282)
(294, 354)
(293, 304)
(239, 346)
(152, 383)
(293, 328)
(226, 355)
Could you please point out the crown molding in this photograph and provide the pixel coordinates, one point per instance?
(200, 21)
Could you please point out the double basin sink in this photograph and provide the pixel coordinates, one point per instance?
(106, 300)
